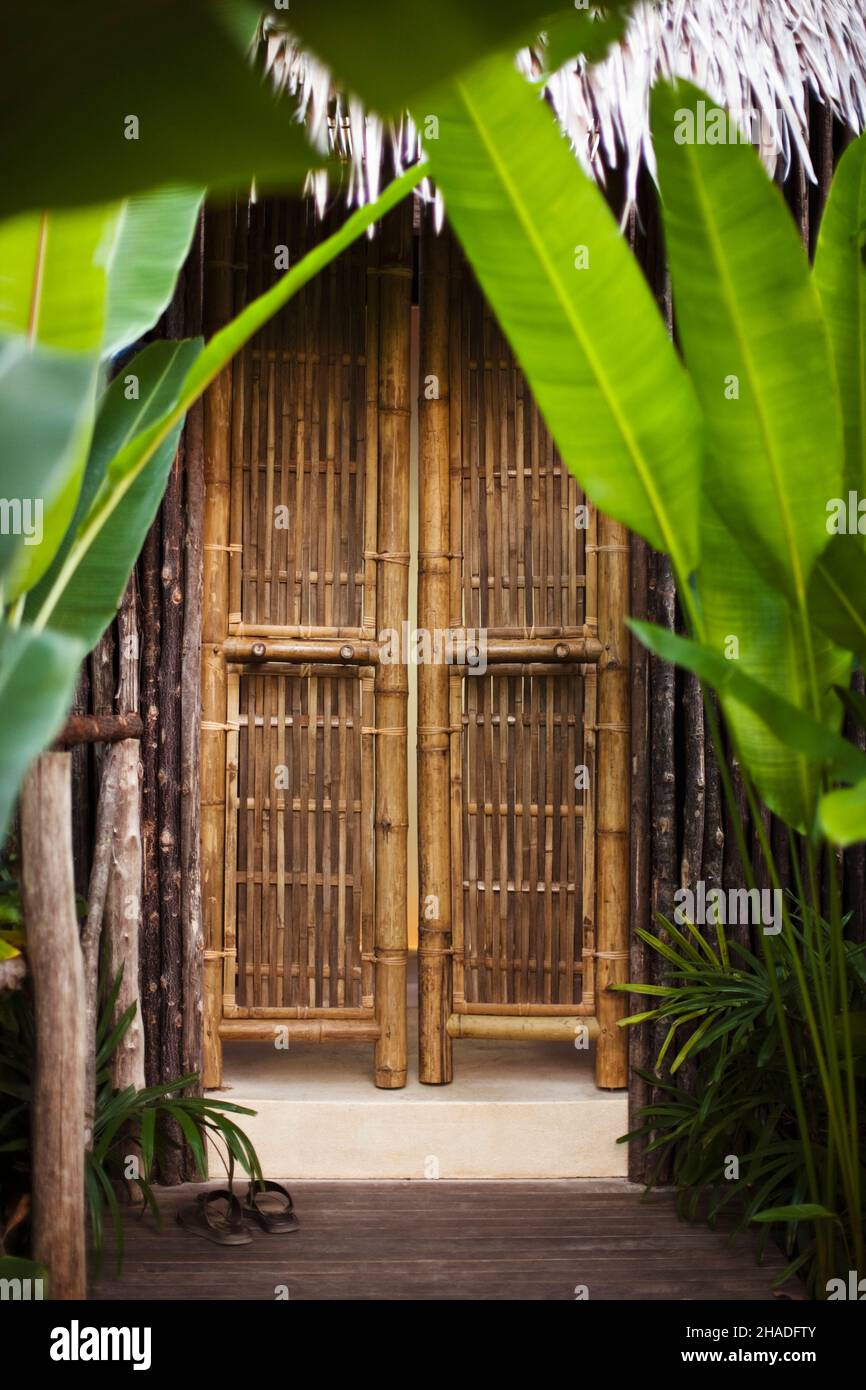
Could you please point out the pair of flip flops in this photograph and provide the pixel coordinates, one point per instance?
(220, 1217)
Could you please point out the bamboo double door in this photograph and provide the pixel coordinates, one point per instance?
(305, 728)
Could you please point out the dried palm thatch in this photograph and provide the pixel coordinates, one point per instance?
(751, 56)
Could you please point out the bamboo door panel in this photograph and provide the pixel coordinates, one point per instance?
(300, 473)
(523, 567)
(304, 841)
(522, 830)
(299, 863)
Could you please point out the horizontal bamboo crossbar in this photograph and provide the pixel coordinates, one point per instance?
(510, 1028)
(308, 1030)
(521, 1010)
(296, 650)
(287, 1012)
(557, 650)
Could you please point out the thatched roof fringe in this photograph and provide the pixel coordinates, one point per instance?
(754, 57)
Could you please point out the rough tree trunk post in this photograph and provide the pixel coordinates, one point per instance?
(171, 947)
(123, 899)
(81, 803)
(434, 740)
(102, 685)
(150, 929)
(123, 915)
(107, 812)
(54, 955)
(190, 732)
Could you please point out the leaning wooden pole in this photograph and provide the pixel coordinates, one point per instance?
(219, 225)
(434, 742)
(57, 975)
(613, 801)
(392, 690)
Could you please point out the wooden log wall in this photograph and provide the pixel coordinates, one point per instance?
(143, 682)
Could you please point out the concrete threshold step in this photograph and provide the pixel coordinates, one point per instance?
(515, 1110)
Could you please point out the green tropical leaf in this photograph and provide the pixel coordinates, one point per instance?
(837, 593)
(45, 408)
(590, 340)
(854, 702)
(737, 604)
(53, 285)
(82, 601)
(588, 32)
(171, 98)
(795, 728)
(54, 274)
(154, 231)
(799, 1211)
(755, 343)
(37, 676)
(842, 815)
(840, 278)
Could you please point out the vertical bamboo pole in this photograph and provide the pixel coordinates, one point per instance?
(392, 690)
(434, 743)
(215, 586)
(613, 807)
(57, 975)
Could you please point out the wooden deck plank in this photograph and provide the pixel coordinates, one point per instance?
(460, 1241)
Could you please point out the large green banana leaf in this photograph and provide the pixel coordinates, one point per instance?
(53, 285)
(840, 278)
(44, 418)
(86, 602)
(37, 673)
(104, 99)
(91, 281)
(755, 343)
(54, 276)
(590, 340)
(154, 231)
(842, 815)
(737, 603)
(837, 593)
(798, 730)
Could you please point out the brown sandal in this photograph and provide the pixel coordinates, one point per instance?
(223, 1227)
(275, 1218)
